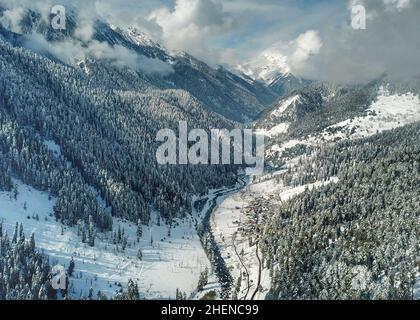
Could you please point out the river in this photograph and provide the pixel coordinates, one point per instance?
(207, 238)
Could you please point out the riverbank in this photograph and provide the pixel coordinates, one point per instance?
(202, 212)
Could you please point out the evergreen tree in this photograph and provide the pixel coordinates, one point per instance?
(203, 280)
(139, 232)
(132, 291)
(71, 267)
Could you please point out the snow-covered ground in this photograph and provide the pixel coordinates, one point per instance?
(276, 130)
(53, 147)
(284, 105)
(388, 112)
(168, 263)
(280, 109)
(176, 261)
(230, 216)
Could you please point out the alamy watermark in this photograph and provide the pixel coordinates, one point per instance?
(212, 147)
(58, 19)
(59, 278)
(358, 17)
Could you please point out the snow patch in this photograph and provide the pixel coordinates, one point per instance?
(53, 147)
(277, 130)
(386, 113)
(284, 105)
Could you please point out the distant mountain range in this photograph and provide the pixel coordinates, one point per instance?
(220, 90)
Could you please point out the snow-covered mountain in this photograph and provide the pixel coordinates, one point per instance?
(272, 69)
(78, 154)
(333, 154)
(266, 67)
(219, 90)
(334, 216)
(326, 112)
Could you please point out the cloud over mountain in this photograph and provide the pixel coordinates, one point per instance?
(390, 44)
(315, 38)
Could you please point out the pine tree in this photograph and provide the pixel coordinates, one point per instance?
(139, 232)
(100, 296)
(132, 291)
(21, 234)
(15, 233)
(203, 280)
(91, 232)
(32, 242)
(71, 267)
(140, 254)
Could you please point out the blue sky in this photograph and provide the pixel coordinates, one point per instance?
(282, 21)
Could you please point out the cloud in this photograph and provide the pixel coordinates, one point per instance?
(82, 47)
(397, 4)
(315, 37)
(84, 30)
(11, 19)
(284, 57)
(72, 51)
(191, 25)
(304, 47)
(390, 45)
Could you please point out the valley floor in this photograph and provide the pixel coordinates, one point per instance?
(230, 223)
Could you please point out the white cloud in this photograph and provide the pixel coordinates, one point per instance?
(397, 4)
(71, 51)
(305, 46)
(191, 24)
(388, 45)
(231, 31)
(11, 19)
(284, 57)
(84, 31)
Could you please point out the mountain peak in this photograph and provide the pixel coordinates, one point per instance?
(267, 67)
(141, 38)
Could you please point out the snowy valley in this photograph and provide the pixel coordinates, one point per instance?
(334, 216)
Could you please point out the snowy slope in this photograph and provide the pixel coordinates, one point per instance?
(284, 105)
(274, 128)
(388, 112)
(231, 216)
(168, 263)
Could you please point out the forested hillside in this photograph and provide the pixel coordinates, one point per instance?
(106, 132)
(82, 132)
(354, 239)
(25, 274)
